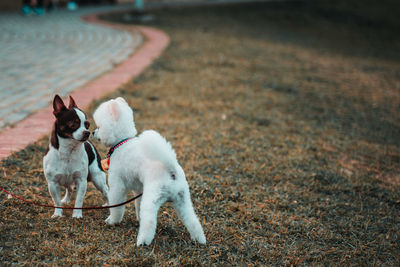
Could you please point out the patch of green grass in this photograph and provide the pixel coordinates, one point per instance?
(287, 131)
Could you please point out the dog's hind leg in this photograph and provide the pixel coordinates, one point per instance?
(98, 177)
(184, 207)
(67, 198)
(137, 205)
(149, 206)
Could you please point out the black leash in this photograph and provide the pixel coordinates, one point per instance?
(72, 208)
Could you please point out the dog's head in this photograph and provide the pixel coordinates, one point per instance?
(114, 120)
(70, 122)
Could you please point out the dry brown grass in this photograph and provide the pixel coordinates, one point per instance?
(288, 132)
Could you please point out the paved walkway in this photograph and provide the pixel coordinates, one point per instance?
(55, 53)
(39, 123)
(61, 53)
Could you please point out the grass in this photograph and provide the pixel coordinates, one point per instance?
(285, 117)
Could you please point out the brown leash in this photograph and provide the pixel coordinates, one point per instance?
(72, 208)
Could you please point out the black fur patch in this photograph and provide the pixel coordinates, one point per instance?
(89, 147)
(89, 152)
(53, 140)
(67, 122)
(98, 159)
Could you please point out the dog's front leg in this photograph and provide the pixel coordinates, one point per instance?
(116, 195)
(55, 195)
(80, 194)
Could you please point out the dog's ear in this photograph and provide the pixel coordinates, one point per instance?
(72, 103)
(121, 100)
(114, 110)
(58, 105)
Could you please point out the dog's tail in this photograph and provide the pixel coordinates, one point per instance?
(157, 148)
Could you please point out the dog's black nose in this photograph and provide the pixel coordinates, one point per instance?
(86, 135)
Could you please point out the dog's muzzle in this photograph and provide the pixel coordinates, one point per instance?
(94, 133)
(85, 136)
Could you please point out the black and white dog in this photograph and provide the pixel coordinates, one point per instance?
(71, 161)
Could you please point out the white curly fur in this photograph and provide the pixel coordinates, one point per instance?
(148, 164)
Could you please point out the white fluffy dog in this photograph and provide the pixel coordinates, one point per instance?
(146, 163)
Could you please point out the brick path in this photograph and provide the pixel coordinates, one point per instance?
(60, 53)
(40, 122)
(55, 53)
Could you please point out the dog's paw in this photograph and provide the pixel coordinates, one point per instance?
(77, 215)
(201, 238)
(140, 242)
(110, 221)
(56, 215)
(144, 241)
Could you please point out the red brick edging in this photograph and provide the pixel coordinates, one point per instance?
(40, 123)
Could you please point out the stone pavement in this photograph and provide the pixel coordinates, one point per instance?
(55, 53)
(39, 123)
(61, 53)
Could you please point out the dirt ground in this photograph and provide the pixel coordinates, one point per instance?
(286, 120)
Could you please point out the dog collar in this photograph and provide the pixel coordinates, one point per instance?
(112, 149)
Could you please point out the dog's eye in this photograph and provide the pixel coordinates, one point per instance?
(74, 124)
(87, 124)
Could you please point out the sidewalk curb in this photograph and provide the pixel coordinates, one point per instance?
(40, 123)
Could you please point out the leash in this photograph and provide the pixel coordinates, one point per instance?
(72, 208)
